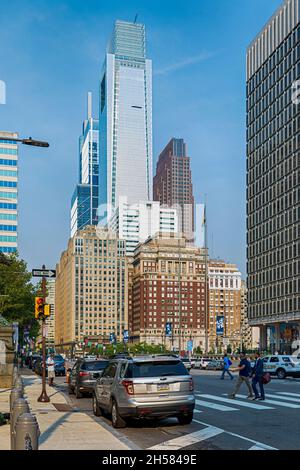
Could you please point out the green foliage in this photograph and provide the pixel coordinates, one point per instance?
(198, 350)
(229, 349)
(139, 348)
(17, 293)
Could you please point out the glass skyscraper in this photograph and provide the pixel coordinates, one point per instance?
(8, 192)
(273, 180)
(125, 120)
(84, 202)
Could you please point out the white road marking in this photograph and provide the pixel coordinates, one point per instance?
(215, 406)
(289, 394)
(257, 447)
(188, 439)
(274, 402)
(254, 406)
(257, 443)
(278, 397)
(197, 411)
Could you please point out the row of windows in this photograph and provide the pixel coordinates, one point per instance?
(7, 249)
(5, 151)
(7, 205)
(8, 162)
(277, 273)
(8, 238)
(8, 228)
(8, 216)
(8, 184)
(9, 173)
(5, 195)
(280, 307)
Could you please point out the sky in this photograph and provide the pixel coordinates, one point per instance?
(51, 55)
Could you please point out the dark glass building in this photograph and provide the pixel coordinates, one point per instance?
(273, 180)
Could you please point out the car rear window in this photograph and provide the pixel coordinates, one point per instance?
(155, 369)
(94, 365)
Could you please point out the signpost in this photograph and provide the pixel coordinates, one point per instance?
(44, 273)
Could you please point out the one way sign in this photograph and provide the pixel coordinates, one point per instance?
(43, 273)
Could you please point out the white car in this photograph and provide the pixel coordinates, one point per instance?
(186, 361)
(282, 366)
(202, 363)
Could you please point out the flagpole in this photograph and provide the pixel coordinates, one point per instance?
(206, 281)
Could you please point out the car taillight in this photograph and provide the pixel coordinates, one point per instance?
(191, 385)
(83, 374)
(128, 384)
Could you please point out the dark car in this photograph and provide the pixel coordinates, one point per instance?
(59, 365)
(215, 364)
(84, 374)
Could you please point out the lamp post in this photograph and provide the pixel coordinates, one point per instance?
(28, 141)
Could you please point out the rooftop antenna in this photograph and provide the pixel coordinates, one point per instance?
(135, 19)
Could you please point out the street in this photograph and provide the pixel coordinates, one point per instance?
(219, 423)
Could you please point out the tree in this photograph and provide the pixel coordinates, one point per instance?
(229, 349)
(17, 293)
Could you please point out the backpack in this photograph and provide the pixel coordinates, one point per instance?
(229, 362)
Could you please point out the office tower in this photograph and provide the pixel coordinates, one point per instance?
(91, 297)
(273, 197)
(172, 185)
(84, 203)
(8, 192)
(137, 222)
(225, 289)
(168, 287)
(125, 120)
(50, 321)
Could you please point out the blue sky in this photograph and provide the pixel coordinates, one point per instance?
(50, 56)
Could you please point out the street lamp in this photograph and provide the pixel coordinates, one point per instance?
(29, 141)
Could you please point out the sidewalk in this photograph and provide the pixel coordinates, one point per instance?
(4, 430)
(62, 430)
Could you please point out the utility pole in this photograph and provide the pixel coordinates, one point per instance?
(44, 397)
(179, 295)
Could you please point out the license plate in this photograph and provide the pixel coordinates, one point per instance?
(163, 387)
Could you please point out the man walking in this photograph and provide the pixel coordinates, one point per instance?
(257, 377)
(226, 365)
(244, 369)
(51, 369)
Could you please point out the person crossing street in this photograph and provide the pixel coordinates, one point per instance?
(226, 365)
(244, 369)
(257, 377)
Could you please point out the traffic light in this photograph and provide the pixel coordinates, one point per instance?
(47, 310)
(39, 307)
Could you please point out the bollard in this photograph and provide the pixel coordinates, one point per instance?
(14, 394)
(27, 433)
(19, 383)
(20, 407)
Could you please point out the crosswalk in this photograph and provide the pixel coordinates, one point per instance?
(275, 400)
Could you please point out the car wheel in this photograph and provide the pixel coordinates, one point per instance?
(96, 408)
(78, 394)
(117, 420)
(185, 419)
(281, 374)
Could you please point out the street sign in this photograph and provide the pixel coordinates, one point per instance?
(125, 336)
(220, 325)
(169, 329)
(190, 345)
(43, 273)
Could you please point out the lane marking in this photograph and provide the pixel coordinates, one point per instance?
(253, 406)
(278, 397)
(257, 447)
(197, 411)
(274, 402)
(289, 393)
(188, 439)
(257, 443)
(215, 406)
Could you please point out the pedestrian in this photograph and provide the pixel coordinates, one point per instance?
(257, 377)
(51, 369)
(226, 365)
(244, 369)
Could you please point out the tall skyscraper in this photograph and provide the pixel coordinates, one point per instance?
(84, 203)
(273, 194)
(125, 120)
(8, 192)
(172, 185)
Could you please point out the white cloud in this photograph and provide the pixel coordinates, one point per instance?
(186, 62)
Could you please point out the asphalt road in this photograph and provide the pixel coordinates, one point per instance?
(219, 422)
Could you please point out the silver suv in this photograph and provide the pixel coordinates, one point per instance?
(145, 386)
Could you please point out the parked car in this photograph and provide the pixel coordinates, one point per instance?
(59, 365)
(186, 361)
(193, 361)
(281, 366)
(32, 359)
(83, 376)
(91, 357)
(202, 362)
(215, 364)
(145, 387)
